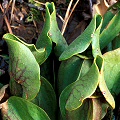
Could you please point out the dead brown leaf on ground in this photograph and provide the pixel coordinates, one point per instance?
(102, 6)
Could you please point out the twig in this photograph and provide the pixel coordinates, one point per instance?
(8, 5)
(13, 5)
(65, 9)
(68, 17)
(39, 2)
(6, 20)
(60, 17)
(73, 8)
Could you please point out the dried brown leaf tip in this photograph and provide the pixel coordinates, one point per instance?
(2, 91)
(4, 110)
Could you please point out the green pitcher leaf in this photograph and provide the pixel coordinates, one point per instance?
(102, 85)
(82, 42)
(116, 42)
(112, 71)
(47, 69)
(106, 19)
(107, 36)
(91, 109)
(46, 98)
(95, 38)
(81, 89)
(24, 70)
(85, 67)
(39, 54)
(105, 91)
(20, 109)
(54, 32)
(68, 72)
(82, 113)
(44, 41)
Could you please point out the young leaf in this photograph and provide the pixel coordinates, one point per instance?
(46, 98)
(20, 109)
(54, 32)
(24, 70)
(44, 41)
(95, 38)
